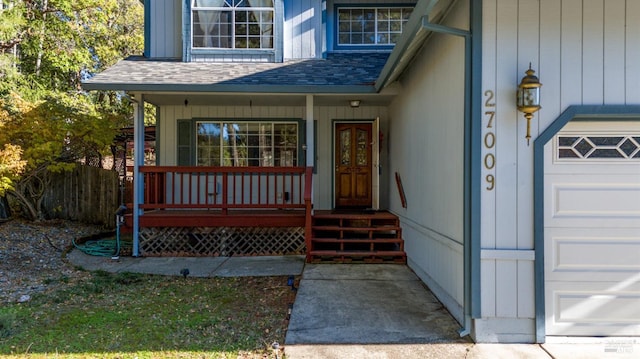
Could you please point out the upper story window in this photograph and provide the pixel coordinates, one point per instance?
(371, 26)
(233, 24)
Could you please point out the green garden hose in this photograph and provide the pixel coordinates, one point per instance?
(106, 247)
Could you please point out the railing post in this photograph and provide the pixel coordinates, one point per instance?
(225, 193)
(308, 222)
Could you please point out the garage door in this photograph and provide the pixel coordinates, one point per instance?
(592, 230)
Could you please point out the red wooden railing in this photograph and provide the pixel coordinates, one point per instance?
(227, 188)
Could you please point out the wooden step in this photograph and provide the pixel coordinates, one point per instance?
(369, 237)
(356, 253)
(357, 245)
(335, 256)
(362, 215)
(355, 240)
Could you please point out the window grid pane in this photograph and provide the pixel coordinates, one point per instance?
(237, 24)
(371, 26)
(238, 144)
(595, 147)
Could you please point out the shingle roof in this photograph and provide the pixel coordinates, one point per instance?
(344, 72)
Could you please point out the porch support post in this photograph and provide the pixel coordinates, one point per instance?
(138, 160)
(310, 145)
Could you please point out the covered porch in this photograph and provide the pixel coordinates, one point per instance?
(240, 211)
(252, 155)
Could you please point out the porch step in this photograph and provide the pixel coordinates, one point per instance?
(347, 237)
(329, 256)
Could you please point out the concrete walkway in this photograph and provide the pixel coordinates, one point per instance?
(359, 311)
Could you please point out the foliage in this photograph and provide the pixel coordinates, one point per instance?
(132, 315)
(11, 166)
(47, 47)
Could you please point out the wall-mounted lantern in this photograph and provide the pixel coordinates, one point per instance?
(354, 103)
(528, 99)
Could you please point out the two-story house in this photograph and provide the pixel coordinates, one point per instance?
(385, 130)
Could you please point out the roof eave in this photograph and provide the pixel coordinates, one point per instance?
(222, 88)
(412, 38)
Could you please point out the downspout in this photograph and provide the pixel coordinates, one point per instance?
(472, 255)
(138, 160)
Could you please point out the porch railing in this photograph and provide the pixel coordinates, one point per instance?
(227, 188)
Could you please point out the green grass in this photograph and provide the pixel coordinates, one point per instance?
(141, 316)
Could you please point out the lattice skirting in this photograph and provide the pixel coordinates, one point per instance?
(221, 241)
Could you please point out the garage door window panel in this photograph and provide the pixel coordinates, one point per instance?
(599, 147)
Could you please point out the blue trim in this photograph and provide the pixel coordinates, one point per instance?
(475, 123)
(324, 28)
(147, 28)
(186, 30)
(278, 32)
(577, 113)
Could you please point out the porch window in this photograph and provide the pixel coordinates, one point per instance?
(232, 24)
(370, 26)
(240, 144)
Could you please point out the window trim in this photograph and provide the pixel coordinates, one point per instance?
(363, 47)
(301, 140)
(274, 54)
(234, 37)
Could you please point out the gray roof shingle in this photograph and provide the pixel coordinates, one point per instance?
(344, 72)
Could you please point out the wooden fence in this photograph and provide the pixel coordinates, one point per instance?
(85, 194)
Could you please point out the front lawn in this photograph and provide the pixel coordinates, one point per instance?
(143, 316)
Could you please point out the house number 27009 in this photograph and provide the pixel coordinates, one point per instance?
(489, 140)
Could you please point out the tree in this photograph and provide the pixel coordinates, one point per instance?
(48, 123)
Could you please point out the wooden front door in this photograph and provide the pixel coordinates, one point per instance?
(353, 165)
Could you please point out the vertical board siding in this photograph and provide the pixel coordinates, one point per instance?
(585, 52)
(426, 148)
(632, 52)
(488, 198)
(506, 288)
(526, 291)
(166, 29)
(528, 46)
(302, 25)
(592, 52)
(571, 54)
(614, 42)
(550, 62)
(506, 126)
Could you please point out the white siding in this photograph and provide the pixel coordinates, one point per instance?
(426, 148)
(165, 29)
(324, 115)
(585, 52)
